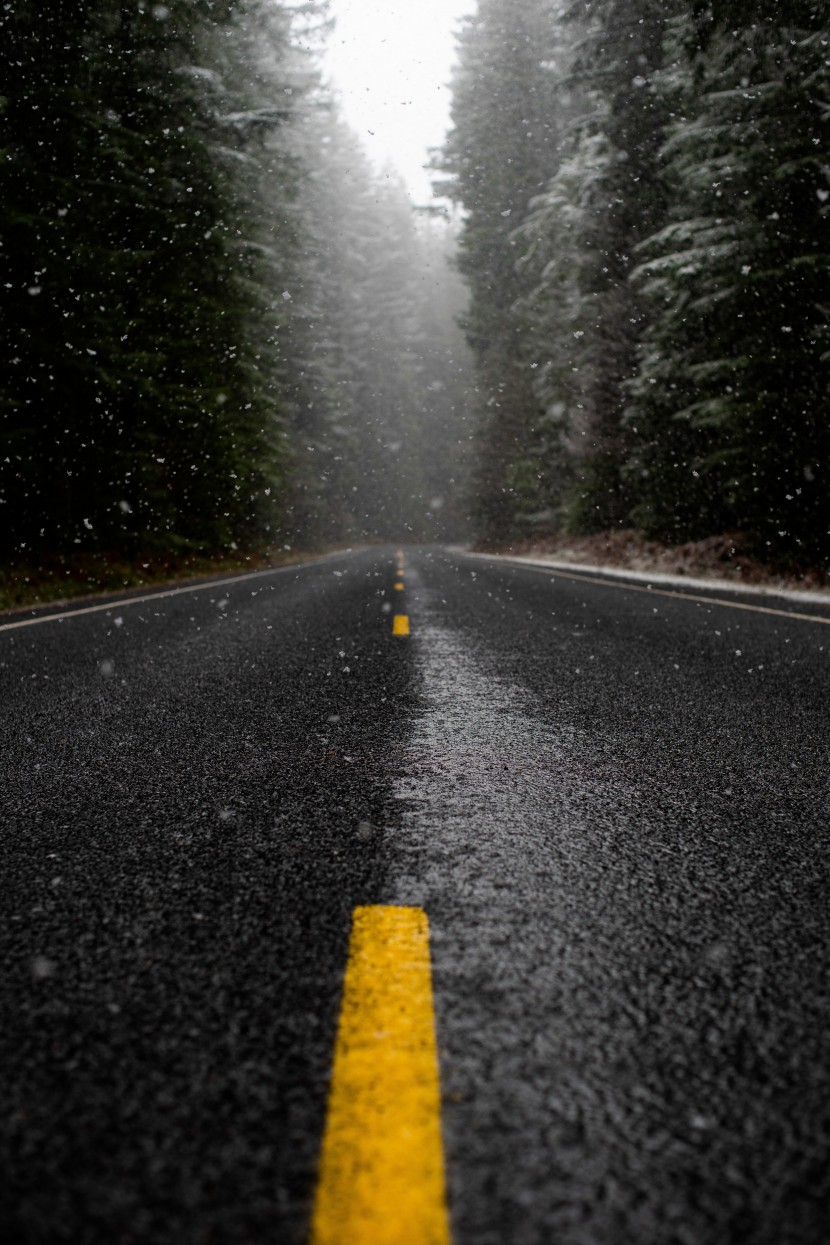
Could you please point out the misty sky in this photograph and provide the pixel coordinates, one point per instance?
(390, 61)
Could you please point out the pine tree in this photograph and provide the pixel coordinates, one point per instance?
(348, 323)
(581, 238)
(500, 153)
(376, 443)
(136, 405)
(441, 437)
(728, 404)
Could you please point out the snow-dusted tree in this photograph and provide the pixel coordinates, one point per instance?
(580, 239)
(138, 407)
(441, 438)
(729, 404)
(562, 310)
(501, 152)
(347, 318)
(377, 417)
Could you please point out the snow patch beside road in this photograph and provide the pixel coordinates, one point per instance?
(661, 578)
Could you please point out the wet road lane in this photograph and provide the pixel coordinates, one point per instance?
(617, 821)
(193, 799)
(612, 809)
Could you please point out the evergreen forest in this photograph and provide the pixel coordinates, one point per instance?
(224, 331)
(645, 188)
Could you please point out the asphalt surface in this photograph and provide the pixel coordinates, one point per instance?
(612, 805)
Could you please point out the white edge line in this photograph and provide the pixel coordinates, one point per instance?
(564, 569)
(121, 602)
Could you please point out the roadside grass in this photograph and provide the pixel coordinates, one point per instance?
(62, 578)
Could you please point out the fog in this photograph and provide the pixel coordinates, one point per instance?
(229, 329)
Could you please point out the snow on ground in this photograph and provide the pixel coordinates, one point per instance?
(601, 557)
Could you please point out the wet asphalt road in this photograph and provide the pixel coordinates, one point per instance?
(613, 806)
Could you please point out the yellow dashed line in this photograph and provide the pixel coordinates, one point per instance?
(400, 622)
(381, 1178)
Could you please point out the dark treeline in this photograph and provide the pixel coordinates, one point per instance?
(221, 329)
(646, 188)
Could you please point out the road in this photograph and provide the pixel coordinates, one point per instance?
(610, 802)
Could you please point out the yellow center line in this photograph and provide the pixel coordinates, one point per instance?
(400, 624)
(381, 1179)
(399, 587)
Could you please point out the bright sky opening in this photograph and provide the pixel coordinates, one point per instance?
(390, 62)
